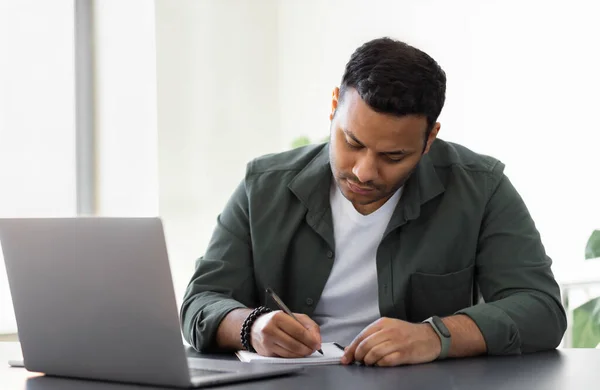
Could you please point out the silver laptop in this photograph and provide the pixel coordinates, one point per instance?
(94, 299)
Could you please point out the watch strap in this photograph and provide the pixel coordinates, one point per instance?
(445, 340)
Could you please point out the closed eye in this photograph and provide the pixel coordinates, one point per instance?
(394, 159)
(391, 158)
(351, 145)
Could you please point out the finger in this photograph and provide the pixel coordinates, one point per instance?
(317, 335)
(311, 325)
(274, 334)
(292, 345)
(306, 320)
(379, 351)
(350, 350)
(391, 360)
(279, 351)
(369, 343)
(296, 331)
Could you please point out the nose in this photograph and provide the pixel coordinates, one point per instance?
(365, 169)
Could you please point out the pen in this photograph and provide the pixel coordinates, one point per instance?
(283, 307)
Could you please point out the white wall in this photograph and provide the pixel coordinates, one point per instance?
(37, 133)
(217, 109)
(37, 118)
(125, 107)
(523, 86)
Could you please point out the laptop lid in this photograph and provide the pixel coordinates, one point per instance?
(94, 298)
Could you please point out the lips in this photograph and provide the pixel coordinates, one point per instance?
(358, 189)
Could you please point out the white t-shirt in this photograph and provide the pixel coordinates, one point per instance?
(349, 301)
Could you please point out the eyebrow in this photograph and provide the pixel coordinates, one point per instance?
(400, 152)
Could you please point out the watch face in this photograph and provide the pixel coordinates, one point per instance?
(441, 327)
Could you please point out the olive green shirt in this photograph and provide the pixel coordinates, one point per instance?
(460, 240)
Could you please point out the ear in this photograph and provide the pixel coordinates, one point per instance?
(432, 136)
(335, 96)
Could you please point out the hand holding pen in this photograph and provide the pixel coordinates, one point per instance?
(283, 307)
(281, 334)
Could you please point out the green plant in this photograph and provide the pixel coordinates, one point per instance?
(592, 249)
(300, 141)
(304, 140)
(586, 318)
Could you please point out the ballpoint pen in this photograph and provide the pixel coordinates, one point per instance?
(285, 309)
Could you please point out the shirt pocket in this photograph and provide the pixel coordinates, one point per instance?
(439, 295)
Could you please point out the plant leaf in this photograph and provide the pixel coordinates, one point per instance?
(300, 141)
(592, 249)
(586, 324)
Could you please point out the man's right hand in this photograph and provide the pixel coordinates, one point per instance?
(278, 334)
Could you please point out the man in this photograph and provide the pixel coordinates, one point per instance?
(388, 240)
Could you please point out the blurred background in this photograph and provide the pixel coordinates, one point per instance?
(146, 108)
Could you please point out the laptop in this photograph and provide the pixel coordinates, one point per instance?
(94, 299)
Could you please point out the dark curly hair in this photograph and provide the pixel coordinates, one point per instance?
(395, 78)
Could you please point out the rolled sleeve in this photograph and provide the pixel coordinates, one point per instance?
(522, 310)
(203, 316)
(224, 276)
(499, 331)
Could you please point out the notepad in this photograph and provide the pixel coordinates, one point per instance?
(332, 354)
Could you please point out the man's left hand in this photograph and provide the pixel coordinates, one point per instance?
(392, 342)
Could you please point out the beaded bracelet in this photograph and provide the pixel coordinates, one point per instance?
(247, 326)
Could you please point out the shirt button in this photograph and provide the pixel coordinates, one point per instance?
(309, 301)
(329, 254)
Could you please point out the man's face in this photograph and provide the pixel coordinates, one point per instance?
(373, 154)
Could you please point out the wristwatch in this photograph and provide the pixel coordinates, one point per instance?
(444, 334)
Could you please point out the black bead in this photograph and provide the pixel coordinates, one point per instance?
(247, 326)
